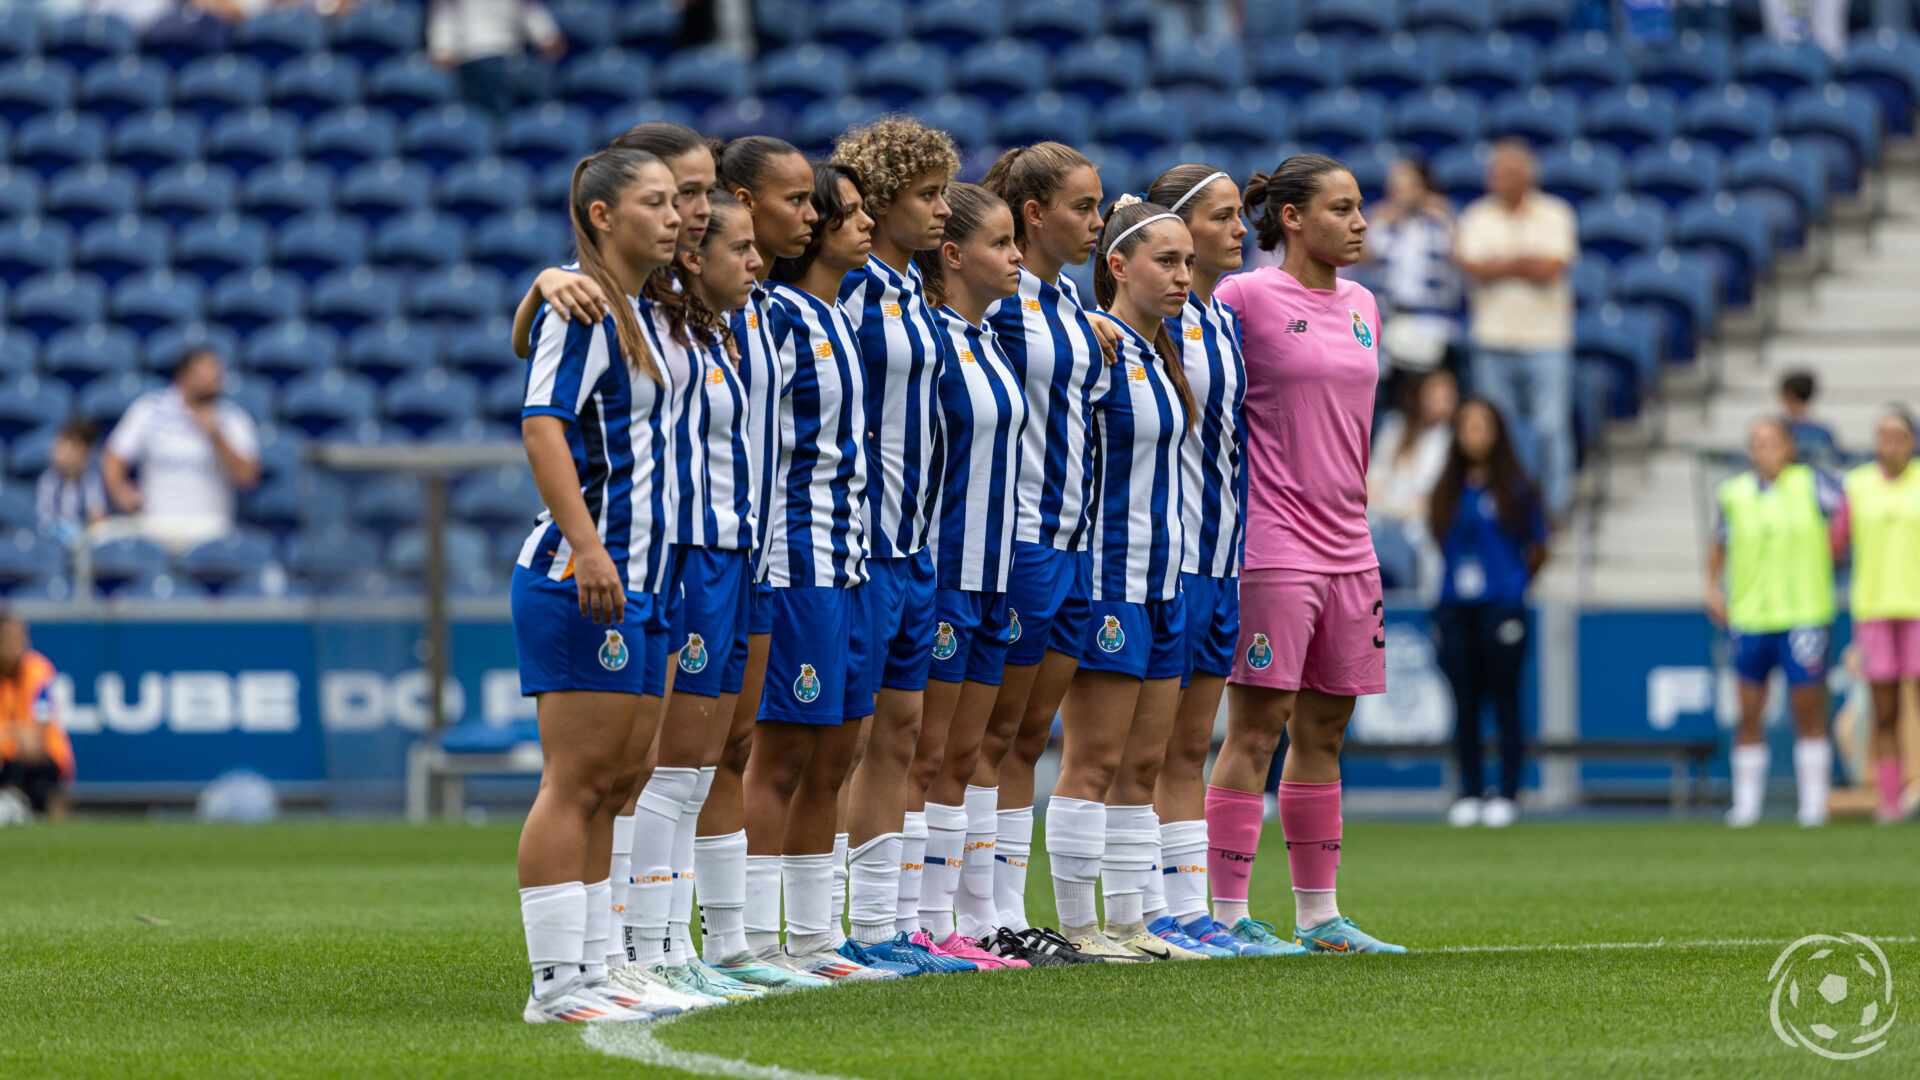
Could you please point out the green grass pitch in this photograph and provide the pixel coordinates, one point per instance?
(382, 950)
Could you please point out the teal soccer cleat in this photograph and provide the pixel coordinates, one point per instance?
(1340, 935)
(1255, 932)
(1210, 931)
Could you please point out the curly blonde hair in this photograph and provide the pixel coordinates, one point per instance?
(889, 153)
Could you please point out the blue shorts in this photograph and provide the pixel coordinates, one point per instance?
(900, 598)
(1800, 652)
(970, 636)
(760, 608)
(817, 663)
(1213, 624)
(1146, 641)
(707, 610)
(1046, 601)
(659, 645)
(561, 649)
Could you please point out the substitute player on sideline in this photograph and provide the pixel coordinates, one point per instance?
(1312, 622)
(1883, 514)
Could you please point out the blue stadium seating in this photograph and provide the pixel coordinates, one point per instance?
(215, 247)
(51, 142)
(279, 35)
(1298, 66)
(372, 32)
(165, 348)
(429, 398)
(420, 240)
(1731, 118)
(327, 402)
(1782, 69)
(1489, 67)
(1845, 123)
(1338, 119)
(351, 136)
(1341, 19)
(31, 402)
(354, 296)
(215, 85)
(698, 79)
(442, 137)
(512, 243)
(1044, 116)
(315, 84)
(1580, 171)
(113, 248)
(182, 193)
(113, 90)
(1396, 67)
(1100, 69)
(1677, 172)
(16, 512)
(605, 79)
(379, 190)
(901, 72)
(80, 354)
(1209, 66)
(1633, 117)
(1000, 70)
(292, 348)
(158, 300)
(1460, 171)
(1795, 170)
(1537, 115)
(1886, 64)
(149, 142)
(388, 349)
(81, 40)
(954, 26)
(87, 193)
(1689, 64)
(1734, 233)
(1586, 65)
(292, 189)
(461, 293)
(34, 87)
(104, 399)
(125, 561)
(1470, 18)
(48, 303)
(1685, 287)
(483, 187)
(19, 34)
(246, 302)
(19, 193)
(1627, 226)
(247, 141)
(406, 84)
(822, 122)
(31, 246)
(27, 559)
(218, 564)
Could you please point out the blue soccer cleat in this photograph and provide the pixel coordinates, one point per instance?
(878, 960)
(901, 949)
(1209, 931)
(1255, 932)
(1172, 932)
(1340, 935)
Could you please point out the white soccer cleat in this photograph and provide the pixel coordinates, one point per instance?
(1741, 819)
(649, 988)
(580, 1005)
(1464, 813)
(1499, 813)
(685, 982)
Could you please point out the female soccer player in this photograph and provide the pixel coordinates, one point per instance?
(1054, 194)
(1883, 507)
(1208, 337)
(594, 423)
(1118, 711)
(905, 168)
(1312, 623)
(1773, 542)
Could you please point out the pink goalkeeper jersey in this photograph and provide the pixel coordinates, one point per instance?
(1312, 365)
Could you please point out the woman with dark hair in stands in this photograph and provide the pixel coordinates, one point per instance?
(1312, 620)
(1492, 535)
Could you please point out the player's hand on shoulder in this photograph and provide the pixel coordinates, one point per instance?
(573, 296)
(1109, 336)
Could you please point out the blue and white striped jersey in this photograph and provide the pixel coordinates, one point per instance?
(1045, 335)
(1139, 427)
(814, 508)
(983, 416)
(759, 377)
(901, 352)
(617, 430)
(1211, 471)
(710, 499)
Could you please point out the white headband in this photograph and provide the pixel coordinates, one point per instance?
(1138, 225)
(1195, 189)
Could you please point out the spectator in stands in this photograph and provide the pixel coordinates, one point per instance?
(239, 10)
(1824, 22)
(193, 450)
(1177, 23)
(480, 39)
(35, 755)
(1493, 540)
(70, 497)
(728, 23)
(1516, 244)
(1410, 236)
(1812, 438)
(1409, 451)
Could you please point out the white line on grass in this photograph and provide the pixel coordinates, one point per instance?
(641, 1042)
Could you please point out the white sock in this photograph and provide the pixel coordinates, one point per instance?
(1750, 764)
(1076, 837)
(807, 881)
(839, 930)
(1228, 912)
(1813, 774)
(1127, 860)
(946, 837)
(1153, 901)
(555, 918)
(1183, 868)
(720, 863)
(599, 931)
(656, 819)
(973, 908)
(873, 888)
(913, 865)
(1313, 907)
(762, 912)
(680, 912)
(1012, 847)
(618, 873)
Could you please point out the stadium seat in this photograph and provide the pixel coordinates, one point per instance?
(1733, 233)
(1796, 170)
(1625, 339)
(497, 499)
(1461, 171)
(1344, 19)
(1586, 65)
(1632, 117)
(552, 188)
(292, 189)
(502, 398)
(279, 505)
(387, 503)
(463, 293)
(517, 242)
(1207, 66)
(19, 354)
(1134, 20)
(1100, 69)
(293, 348)
(615, 124)
(88, 193)
(280, 34)
(1396, 67)
(442, 137)
(258, 137)
(312, 245)
(31, 246)
(482, 350)
(1435, 120)
(1248, 120)
(126, 560)
(354, 296)
(372, 32)
(1782, 69)
(1677, 172)
(1886, 64)
(1297, 66)
(406, 84)
(327, 402)
(1685, 287)
(246, 302)
(1539, 21)
(270, 582)
(477, 189)
(33, 87)
(332, 551)
(426, 399)
(1731, 118)
(216, 564)
(587, 24)
(1469, 18)
(1046, 115)
(388, 349)
(182, 193)
(1592, 282)
(150, 302)
(1338, 119)
(49, 303)
(696, 79)
(159, 588)
(1489, 67)
(212, 248)
(650, 26)
(255, 397)
(1845, 122)
(312, 85)
(20, 194)
(30, 402)
(54, 141)
(730, 120)
(1537, 115)
(463, 545)
(1054, 25)
(352, 136)
(215, 86)
(26, 559)
(902, 72)
(153, 141)
(797, 77)
(379, 190)
(998, 71)
(16, 512)
(80, 354)
(1144, 122)
(105, 399)
(420, 240)
(856, 27)
(823, 122)
(547, 133)
(167, 345)
(604, 79)
(1580, 171)
(1626, 226)
(83, 40)
(184, 35)
(954, 26)
(120, 87)
(1686, 66)
(112, 248)
(954, 112)
(19, 34)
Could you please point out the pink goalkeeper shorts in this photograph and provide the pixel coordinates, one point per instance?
(1302, 630)
(1889, 649)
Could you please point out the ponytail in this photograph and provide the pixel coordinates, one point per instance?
(1031, 174)
(1121, 234)
(1294, 183)
(600, 177)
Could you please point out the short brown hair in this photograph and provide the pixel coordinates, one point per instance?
(890, 152)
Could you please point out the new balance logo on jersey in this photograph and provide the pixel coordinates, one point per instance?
(1194, 333)
(823, 351)
(753, 320)
(966, 356)
(715, 378)
(890, 310)
(1030, 305)
(1296, 326)
(1136, 373)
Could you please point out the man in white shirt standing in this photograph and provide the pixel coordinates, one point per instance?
(479, 38)
(192, 450)
(1516, 244)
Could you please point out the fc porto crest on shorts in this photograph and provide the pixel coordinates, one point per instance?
(693, 655)
(1013, 626)
(1362, 333)
(807, 686)
(613, 651)
(1112, 638)
(1260, 653)
(944, 643)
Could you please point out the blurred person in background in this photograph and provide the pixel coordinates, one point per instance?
(1409, 452)
(1883, 523)
(1177, 23)
(192, 449)
(35, 755)
(1411, 239)
(1811, 438)
(1493, 540)
(1774, 541)
(480, 40)
(1823, 22)
(728, 23)
(1516, 244)
(70, 496)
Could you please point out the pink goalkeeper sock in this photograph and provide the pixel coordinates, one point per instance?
(1310, 820)
(1233, 836)
(1888, 773)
